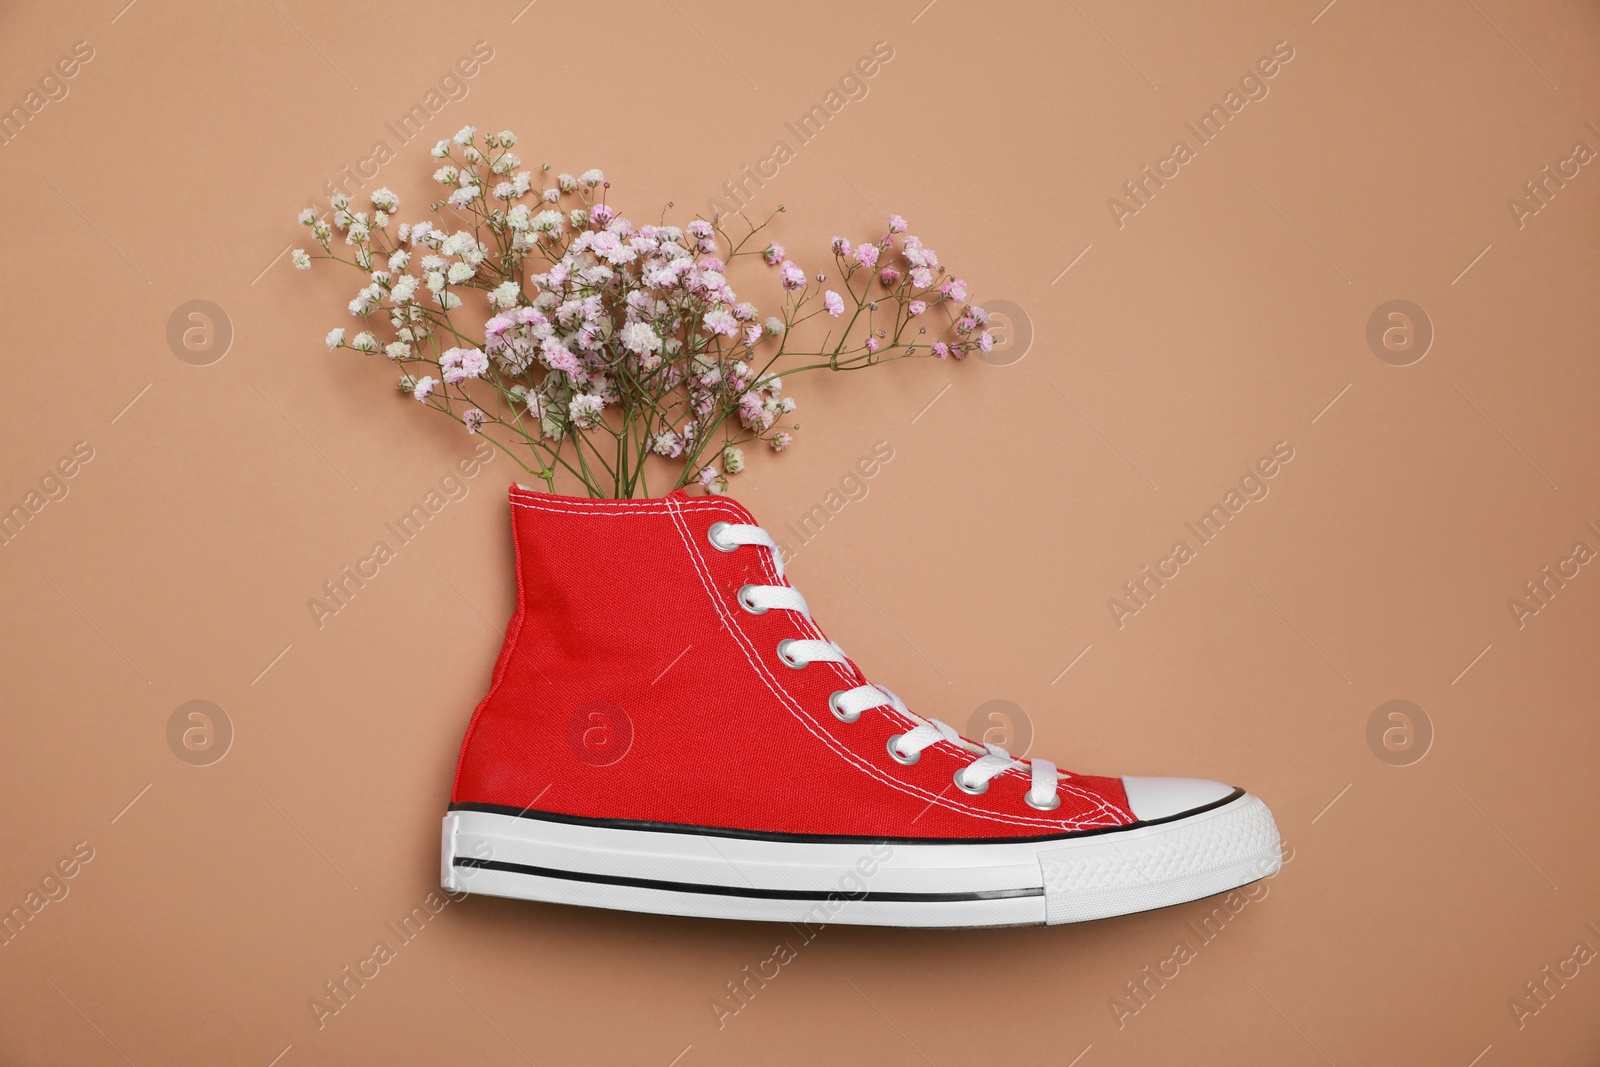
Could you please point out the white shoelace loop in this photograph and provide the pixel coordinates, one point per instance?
(848, 704)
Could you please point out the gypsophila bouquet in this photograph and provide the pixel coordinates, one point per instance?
(608, 344)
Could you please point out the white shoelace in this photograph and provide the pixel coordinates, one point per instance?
(848, 704)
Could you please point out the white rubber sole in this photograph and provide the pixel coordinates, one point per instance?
(873, 883)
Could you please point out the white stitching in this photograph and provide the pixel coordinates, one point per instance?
(745, 645)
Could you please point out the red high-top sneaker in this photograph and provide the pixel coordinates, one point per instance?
(669, 731)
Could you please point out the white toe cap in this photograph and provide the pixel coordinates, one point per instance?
(1162, 798)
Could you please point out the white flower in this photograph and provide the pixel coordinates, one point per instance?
(640, 338)
(400, 260)
(449, 301)
(592, 177)
(774, 326)
(566, 182)
(397, 350)
(385, 200)
(465, 134)
(441, 150)
(584, 411)
(506, 138)
(307, 216)
(424, 388)
(335, 338)
(364, 342)
(464, 195)
(301, 260)
(732, 459)
(505, 295)
(458, 273)
(404, 289)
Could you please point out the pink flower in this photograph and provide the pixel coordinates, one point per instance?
(955, 290)
(917, 307)
(600, 214)
(721, 322)
(773, 255)
(841, 247)
(834, 303)
(424, 388)
(780, 441)
(986, 342)
(889, 277)
(867, 255)
(897, 224)
(941, 350)
(700, 229)
(473, 419)
(921, 277)
(752, 334)
(872, 344)
(791, 276)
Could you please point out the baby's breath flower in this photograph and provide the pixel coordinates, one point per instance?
(596, 325)
(505, 295)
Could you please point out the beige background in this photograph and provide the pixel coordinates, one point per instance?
(1228, 314)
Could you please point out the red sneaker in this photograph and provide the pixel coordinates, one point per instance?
(669, 731)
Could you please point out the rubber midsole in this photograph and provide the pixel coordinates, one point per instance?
(1057, 880)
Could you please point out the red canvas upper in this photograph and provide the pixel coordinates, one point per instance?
(632, 685)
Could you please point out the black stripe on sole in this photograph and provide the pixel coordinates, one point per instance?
(825, 839)
(741, 891)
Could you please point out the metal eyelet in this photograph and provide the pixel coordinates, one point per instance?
(783, 654)
(967, 789)
(896, 755)
(745, 604)
(1055, 801)
(838, 713)
(713, 535)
